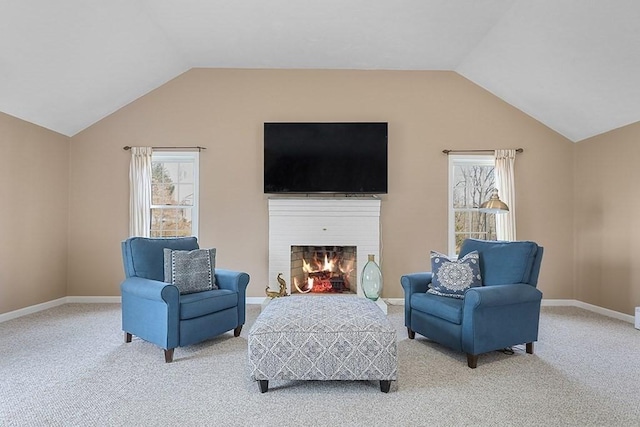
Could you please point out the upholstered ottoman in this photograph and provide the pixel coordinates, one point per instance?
(335, 337)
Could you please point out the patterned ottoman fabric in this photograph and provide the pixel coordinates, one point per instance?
(334, 337)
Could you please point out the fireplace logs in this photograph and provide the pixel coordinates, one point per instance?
(327, 281)
(323, 269)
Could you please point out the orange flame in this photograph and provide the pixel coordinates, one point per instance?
(328, 265)
(347, 268)
(319, 274)
(297, 285)
(306, 267)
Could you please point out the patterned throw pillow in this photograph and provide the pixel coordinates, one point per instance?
(191, 271)
(451, 278)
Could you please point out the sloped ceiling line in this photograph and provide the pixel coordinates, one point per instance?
(570, 64)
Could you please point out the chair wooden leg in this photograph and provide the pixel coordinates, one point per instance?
(168, 355)
(127, 337)
(411, 333)
(530, 347)
(236, 331)
(472, 360)
(264, 385)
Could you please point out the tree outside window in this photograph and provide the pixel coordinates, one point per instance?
(174, 194)
(471, 182)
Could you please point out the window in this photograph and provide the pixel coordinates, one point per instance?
(471, 179)
(174, 194)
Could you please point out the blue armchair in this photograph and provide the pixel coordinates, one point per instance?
(156, 311)
(503, 312)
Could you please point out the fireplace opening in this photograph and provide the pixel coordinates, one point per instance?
(323, 269)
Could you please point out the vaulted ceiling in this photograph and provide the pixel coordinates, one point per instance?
(574, 65)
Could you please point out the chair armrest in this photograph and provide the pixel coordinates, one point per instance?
(412, 284)
(499, 316)
(415, 282)
(150, 289)
(236, 281)
(151, 311)
(497, 295)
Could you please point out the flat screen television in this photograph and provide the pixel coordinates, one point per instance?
(349, 158)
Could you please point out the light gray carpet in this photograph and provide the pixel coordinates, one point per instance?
(69, 366)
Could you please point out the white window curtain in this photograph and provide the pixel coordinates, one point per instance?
(140, 192)
(505, 183)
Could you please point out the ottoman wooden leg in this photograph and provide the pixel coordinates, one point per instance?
(385, 385)
(264, 385)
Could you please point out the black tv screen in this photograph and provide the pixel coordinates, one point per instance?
(348, 158)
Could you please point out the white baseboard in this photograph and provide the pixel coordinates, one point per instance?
(589, 307)
(604, 311)
(559, 302)
(94, 300)
(32, 309)
(55, 303)
(259, 300)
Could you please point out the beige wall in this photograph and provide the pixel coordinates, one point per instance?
(607, 226)
(34, 215)
(224, 110)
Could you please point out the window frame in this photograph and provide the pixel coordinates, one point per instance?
(184, 157)
(454, 160)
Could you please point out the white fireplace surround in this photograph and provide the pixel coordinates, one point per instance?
(321, 222)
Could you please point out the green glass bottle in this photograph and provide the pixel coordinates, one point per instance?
(371, 279)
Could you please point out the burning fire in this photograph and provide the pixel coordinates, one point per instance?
(323, 276)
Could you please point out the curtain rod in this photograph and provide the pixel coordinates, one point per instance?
(127, 147)
(447, 152)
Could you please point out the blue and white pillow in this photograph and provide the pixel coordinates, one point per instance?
(451, 278)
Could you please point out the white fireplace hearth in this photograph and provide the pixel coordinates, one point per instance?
(322, 222)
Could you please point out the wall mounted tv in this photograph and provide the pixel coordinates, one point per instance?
(349, 158)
